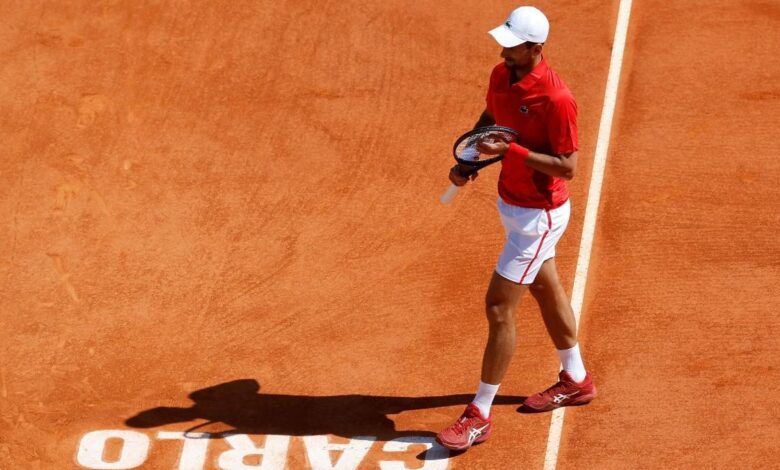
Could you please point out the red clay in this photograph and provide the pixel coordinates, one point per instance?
(224, 217)
(681, 316)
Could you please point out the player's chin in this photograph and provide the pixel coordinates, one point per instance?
(509, 65)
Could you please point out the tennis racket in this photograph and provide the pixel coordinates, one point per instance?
(468, 154)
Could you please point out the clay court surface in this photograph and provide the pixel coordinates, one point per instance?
(221, 236)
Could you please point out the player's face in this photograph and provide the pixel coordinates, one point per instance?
(520, 57)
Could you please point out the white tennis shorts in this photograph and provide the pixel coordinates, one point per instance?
(531, 236)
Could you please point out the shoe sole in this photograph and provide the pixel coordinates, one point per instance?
(580, 401)
(478, 440)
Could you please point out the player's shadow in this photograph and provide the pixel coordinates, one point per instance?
(239, 405)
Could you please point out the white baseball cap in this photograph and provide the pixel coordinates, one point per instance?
(525, 24)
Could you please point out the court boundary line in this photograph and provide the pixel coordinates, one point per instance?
(591, 210)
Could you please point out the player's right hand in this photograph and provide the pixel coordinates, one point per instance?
(457, 175)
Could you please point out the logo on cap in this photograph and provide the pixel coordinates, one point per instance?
(508, 24)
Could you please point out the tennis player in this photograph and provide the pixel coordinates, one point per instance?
(528, 96)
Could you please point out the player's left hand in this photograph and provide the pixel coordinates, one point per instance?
(493, 146)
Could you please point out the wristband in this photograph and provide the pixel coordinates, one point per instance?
(518, 150)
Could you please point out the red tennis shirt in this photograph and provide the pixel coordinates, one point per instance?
(541, 108)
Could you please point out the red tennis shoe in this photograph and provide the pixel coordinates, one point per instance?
(470, 428)
(566, 392)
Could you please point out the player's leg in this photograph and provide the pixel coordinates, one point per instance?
(474, 424)
(575, 386)
(501, 302)
(523, 237)
(555, 306)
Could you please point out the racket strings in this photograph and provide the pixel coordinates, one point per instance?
(468, 149)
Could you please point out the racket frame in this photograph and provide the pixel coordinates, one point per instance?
(475, 165)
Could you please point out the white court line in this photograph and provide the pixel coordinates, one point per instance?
(591, 210)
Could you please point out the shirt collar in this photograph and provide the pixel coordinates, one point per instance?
(533, 76)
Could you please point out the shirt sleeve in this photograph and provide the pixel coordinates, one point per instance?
(562, 124)
(491, 90)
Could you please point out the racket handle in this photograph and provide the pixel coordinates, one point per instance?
(449, 194)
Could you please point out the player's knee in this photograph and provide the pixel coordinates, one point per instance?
(499, 315)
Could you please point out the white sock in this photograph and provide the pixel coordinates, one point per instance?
(572, 362)
(485, 396)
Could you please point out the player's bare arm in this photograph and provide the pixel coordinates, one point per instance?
(562, 166)
(486, 119)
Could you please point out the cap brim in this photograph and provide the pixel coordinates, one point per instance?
(505, 37)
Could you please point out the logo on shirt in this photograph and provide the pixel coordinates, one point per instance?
(524, 109)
